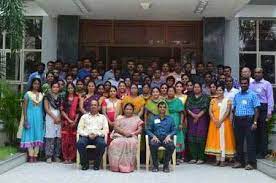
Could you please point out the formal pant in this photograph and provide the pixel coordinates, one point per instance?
(261, 132)
(168, 152)
(243, 131)
(83, 142)
(197, 150)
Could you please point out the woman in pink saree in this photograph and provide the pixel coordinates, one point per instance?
(123, 148)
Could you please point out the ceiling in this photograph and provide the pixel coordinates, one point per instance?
(131, 9)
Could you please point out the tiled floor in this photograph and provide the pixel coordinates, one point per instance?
(185, 173)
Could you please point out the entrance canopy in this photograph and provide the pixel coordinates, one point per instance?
(143, 9)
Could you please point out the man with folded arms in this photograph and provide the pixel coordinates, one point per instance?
(92, 129)
(161, 130)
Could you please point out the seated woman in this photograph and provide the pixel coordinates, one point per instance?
(122, 150)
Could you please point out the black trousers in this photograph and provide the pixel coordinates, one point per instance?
(168, 152)
(243, 131)
(99, 151)
(261, 133)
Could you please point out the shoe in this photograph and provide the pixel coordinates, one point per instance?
(85, 167)
(96, 168)
(166, 169)
(193, 161)
(58, 160)
(49, 160)
(259, 156)
(155, 169)
(249, 167)
(237, 165)
(223, 164)
(199, 162)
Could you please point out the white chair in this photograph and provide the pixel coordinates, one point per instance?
(138, 152)
(148, 158)
(93, 147)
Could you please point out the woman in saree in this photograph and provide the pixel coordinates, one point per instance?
(198, 120)
(85, 101)
(123, 148)
(136, 100)
(70, 116)
(163, 91)
(122, 90)
(220, 139)
(176, 111)
(33, 131)
(111, 108)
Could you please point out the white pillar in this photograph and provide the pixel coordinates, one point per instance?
(231, 46)
(49, 39)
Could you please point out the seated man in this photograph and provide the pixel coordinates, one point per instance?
(92, 128)
(161, 129)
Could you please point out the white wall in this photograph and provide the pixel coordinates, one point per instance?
(231, 45)
(49, 39)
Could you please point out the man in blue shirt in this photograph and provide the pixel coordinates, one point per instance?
(246, 110)
(161, 130)
(86, 70)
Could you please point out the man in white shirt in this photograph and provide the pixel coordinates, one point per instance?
(92, 129)
(230, 91)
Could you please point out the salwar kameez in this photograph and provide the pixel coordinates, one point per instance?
(220, 141)
(197, 131)
(176, 107)
(68, 130)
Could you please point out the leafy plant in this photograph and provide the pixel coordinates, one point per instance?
(13, 21)
(10, 110)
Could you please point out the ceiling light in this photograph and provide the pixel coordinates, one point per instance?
(201, 6)
(145, 4)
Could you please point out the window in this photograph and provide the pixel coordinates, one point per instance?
(17, 69)
(258, 46)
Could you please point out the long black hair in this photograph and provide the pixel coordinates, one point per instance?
(32, 82)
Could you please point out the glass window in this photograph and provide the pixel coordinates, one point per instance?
(268, 65)
(268, 35)
(12, 66)
(33, 34)
(248, 60)
(247, 35)
(31, 60)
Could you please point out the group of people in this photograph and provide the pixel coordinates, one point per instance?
(206, 108)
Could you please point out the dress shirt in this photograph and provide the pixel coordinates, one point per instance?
(108, 75)
(155, 83)
(38, 75)
(245, 103)
(231, 94)
(264, 91)
(96, 124)
(161, 127)
(83, 73)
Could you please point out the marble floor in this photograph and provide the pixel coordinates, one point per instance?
(61, 173)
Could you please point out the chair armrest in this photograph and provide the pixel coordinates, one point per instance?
(106, 138)
(139, 138)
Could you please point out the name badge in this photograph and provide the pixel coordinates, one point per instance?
(219, 104)
(244, 102)
(156, 121)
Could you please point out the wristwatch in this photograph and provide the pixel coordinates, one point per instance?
(255, 122)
